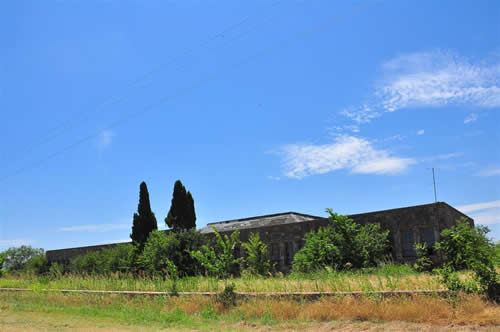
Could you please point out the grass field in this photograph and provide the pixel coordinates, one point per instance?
(55, 311)
(389, 277)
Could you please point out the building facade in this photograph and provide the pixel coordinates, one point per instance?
(284, 232)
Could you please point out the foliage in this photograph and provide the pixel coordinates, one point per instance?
(227, 297)
(424, 261)
(55, 271)
(218, 260)
(256, 259)
(116, 259)
(3, 254)
(37, 264)
(466, 247)
(162, 250)
(16, 258)
(342, 244)
(181, 215)
(497, 254)
(144, 221)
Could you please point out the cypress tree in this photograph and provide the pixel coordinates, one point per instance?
(190, 213)
(144, 220)
(181, 215)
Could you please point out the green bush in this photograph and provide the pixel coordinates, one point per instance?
(115, 259)
(497, 256)
(37, 265)
(218, 259)
(55, 271)
(466, 247)
(256, 260)
(424, 261)
(342, 244)
(162, 250)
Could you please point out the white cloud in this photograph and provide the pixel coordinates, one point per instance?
(431, 79)
(479, 206)
(274, 178)
(421, 132)
(347, 152)
(485, 213)
(489, 172)
(471, 118)
(94, 228)
(490, 217)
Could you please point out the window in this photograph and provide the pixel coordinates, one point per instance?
(427, 236)
(275, 251)
(289, 253)
(408, 242)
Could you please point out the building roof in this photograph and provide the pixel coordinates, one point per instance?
(259, 221)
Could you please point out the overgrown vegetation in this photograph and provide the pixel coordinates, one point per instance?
(256, 256)
(467, 247)
(206, 313)
(164, 251)
(343, 244)
(219, 259)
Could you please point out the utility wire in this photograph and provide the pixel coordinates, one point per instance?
(332, 20)
(64, 126)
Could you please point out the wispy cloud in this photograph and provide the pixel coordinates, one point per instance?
(489, 172)
(351, 153)
(420, 132)
(431, 79)
(485, 213)
(471, 118)
(445, 156)
(95, 228)
(479, 206)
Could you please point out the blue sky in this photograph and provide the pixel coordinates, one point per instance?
(258, 107)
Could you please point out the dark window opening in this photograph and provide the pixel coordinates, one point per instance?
(408, 241)
(289, 253)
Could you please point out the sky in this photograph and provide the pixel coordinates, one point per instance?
(258, 107)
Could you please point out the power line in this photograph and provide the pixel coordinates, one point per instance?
(59, 129)
(333, 19)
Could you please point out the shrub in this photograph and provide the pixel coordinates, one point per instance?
(466, 247)
(115, 259)
(424, 261)
(55, 271)
(227, 298)
(256, 260)
(37, 265)
(218, 259)
(342, 244)
(162, 250)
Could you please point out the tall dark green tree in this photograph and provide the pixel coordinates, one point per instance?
(144, 220)
(181, 215)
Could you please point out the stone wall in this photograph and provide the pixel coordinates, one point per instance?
(284, 233)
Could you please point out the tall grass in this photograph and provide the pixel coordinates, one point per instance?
(194, 311)
(388, 277)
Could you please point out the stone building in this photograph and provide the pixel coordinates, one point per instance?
(284, 232)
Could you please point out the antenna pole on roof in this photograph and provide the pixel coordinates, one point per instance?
(434, 181)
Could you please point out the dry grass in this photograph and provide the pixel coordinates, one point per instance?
(418, 309)
(464, 310)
